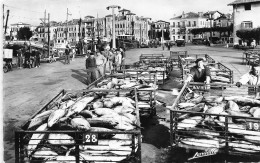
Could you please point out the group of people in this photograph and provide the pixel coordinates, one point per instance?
(28, 58)
(101, 61)
(68, 53)
(201, 73)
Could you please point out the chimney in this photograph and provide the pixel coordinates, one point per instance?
(183, 15)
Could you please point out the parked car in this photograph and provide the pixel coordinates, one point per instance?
(180, 42)
(198, 41)
(143, 45)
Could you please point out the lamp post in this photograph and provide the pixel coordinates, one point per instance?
(113, 23)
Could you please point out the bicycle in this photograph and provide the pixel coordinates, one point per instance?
(7, 66)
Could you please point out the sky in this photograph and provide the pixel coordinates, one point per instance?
(30, 11)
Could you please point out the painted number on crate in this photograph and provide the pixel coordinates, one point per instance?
(253, 126)
(91, 139)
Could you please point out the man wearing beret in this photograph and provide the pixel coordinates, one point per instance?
(199, 73)
(91, 68)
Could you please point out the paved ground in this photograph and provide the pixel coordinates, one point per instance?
(27, 90)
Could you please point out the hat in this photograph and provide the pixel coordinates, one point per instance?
(91, 53)
(199, 59)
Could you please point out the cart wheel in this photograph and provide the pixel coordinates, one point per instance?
(5, 69)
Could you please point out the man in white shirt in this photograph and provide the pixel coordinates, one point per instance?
(250, 78)
(118, 59)
(100, 62)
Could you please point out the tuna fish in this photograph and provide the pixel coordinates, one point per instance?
(105, 111)
(98, 104)
(36, 138)
(213, 99)
(40, 118)
(245, 108)
(231, 105)
(131, 117)
(255, 111)
(80, 123)
(56, 116)
(244, 145)
(196, 100)
(122, 136)
(86, 113)
(115, 142)
(207, 143)
(124, 126)
(61, 139)
(185, 105)
(243, 100)
(216, 109)
(197, 108)
(105, 147)
(79, 105)
(238, 113)
(190, 122)
(123, 109)
(67, 104)
(44, 153)
(253, 139)
(108, 158)
(199, 133)
(102, 122)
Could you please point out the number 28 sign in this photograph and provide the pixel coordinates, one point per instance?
(91, 139)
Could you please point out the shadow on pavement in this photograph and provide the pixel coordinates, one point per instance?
(82, 77)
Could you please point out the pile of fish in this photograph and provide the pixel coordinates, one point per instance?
(94, 112)
(145, 96)
(201, 129)
(218, 75)
(126, 83)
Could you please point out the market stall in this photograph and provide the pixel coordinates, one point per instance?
(83, 126)
(217, 119)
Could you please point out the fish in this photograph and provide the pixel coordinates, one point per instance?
(199, 133)
(104, 111)
(207, 143)
(185, 104)
(123, 109)
(190, 122)
(67, 104)
(215, 109)
(213, 99)
(102, 135)
(231, 105)
(105, 147)
(102, 122)
(86, 113)
(80, 123)
(40, 119)
(197, 108)
(118, 118)
(36, 138)
(255, 111)
(131, 117)
(238, 113)
(44, 153)
(122, 136)
(79, 105)
(243, 100)
(62, 159)
(224, 74)
(124, 126)
(106, 158)
(220, 78)
(245, 108)
(244, 145)
(56, 116)
(60, 139)
(115, 142)
(196, 100)
(98, 104)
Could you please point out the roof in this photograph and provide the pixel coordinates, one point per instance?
(20, 23)
(189, 15)
(123, 10)
(243, 1)
(161, 21)
(109, 16)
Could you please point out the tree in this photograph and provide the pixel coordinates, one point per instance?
(249, 34)
(24, 33)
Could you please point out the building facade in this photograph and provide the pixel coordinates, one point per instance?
(245, 16)
(14, 28)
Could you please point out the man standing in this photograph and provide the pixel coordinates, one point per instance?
(100, 61)
(123, 55)
(27, 56)
(118, 59)
(20, 58)
(91, 68)
(37, 58)
(67, 55)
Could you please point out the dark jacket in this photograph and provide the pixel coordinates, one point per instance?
(90, 63)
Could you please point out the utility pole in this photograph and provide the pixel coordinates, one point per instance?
(43, 21)
(6, 20)
(3, 15)
(48, 34)
(113, 23)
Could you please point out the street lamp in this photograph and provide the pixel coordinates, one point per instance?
(113, 23)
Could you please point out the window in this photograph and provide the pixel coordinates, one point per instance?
(247, 24)
(173, 24)
(178, 24)
(173, 31)
(194, 24)
(248, 6)
(189, 24)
